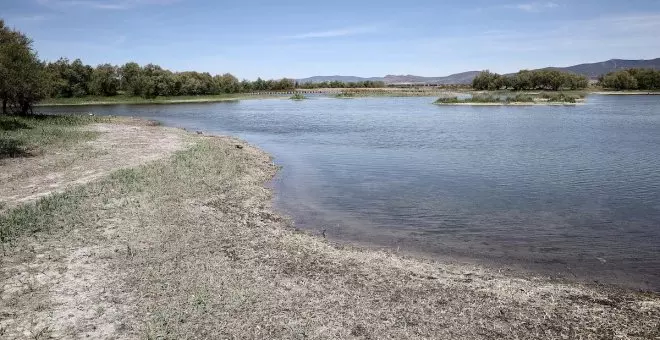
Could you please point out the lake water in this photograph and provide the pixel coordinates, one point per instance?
(567, 191)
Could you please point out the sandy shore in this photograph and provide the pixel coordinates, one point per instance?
(153, 232)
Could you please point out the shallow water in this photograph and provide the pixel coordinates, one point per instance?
(567, 191)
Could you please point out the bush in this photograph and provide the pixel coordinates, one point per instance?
(520, 98)
(447, 100)
(298, 96)
(345, 94)
(483, 99)
(560, 97)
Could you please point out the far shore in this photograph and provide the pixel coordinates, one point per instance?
(351, 93)
(623, 93)
(510, 104)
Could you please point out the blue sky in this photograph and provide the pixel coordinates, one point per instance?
(274, 39)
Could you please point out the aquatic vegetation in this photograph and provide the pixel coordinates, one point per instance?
(520, 98)
(345, 94)
(560, 97)
(298, 96)
(448, 100)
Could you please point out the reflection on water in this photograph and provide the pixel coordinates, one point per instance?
(571, 191)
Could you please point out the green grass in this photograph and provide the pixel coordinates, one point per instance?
(24, 136)
(508, 97)
(560, 97)
(473, 99)
(344, 95)
(298, 96)
(448, 100)
(40, 216)
(520, 98)
(482, 99)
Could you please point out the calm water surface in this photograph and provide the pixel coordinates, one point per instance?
(567, 191)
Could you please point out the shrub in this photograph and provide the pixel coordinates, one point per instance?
(447, 100)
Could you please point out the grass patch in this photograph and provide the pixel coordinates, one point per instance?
(448, 100)
(559, 97)
(483, 99)
(39, 216)
(24, 136)
(512, 98)
(298, 96)
(520, 98)
(473, 99)
(345, 94)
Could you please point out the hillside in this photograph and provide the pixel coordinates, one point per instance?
(594, 70)
(458, 78)
(591, 70)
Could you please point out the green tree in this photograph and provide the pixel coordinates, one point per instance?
(128, 73)
(619, 80)
(105, 80)
(227, 83)
(486, 80)
(23, 78)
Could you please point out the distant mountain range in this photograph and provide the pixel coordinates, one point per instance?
(592, 71)
(595, 70)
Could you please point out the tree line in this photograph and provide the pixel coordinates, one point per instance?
(548, 79)
(75, 79)
(25, 79)
(631, 79)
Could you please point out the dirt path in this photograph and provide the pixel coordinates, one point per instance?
(188, 247)
(119, 146)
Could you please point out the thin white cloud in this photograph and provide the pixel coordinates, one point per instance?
(103, 5)
(534, 7)
(349, 31)
(626, 34)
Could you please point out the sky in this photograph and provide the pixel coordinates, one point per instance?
(296, 39)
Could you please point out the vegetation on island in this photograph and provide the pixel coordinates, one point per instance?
(553, 80)
(346, 94)
(298, 96)
(631, 79)
(519, 98)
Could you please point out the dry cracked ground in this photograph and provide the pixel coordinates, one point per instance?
(147, 232)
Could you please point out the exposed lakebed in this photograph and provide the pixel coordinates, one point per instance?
(572, 191)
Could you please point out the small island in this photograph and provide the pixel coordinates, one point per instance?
(514, 100)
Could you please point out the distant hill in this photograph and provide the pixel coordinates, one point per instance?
(592, 71)
(595, 70)
(345, 79)
(459, 78)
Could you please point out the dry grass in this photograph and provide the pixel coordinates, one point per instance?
(188, 247)
(61, 152)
